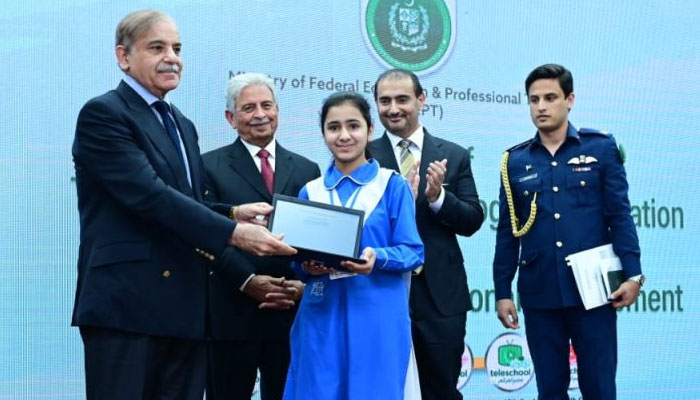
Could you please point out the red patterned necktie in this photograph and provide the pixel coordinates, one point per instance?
(266, 170)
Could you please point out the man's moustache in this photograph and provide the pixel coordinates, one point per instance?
(168, 68)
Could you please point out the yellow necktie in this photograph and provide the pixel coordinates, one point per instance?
(406, 158)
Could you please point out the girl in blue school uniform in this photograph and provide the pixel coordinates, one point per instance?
(351, 339)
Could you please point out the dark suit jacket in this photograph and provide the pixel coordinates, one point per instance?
(140, 221)
(233, 178)
(461, 214)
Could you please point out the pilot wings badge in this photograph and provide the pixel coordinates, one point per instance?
(582, 159)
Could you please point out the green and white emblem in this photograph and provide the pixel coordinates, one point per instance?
(416, 35)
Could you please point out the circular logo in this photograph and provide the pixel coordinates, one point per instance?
(508, 362)
(416, 35)
(467, 367)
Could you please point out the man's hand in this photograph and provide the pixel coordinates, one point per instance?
(259, 241)
(297, 285)
(413, 179)
(507, 314)
(363, 269)
(625, 295)
(271, 292)
(254, 213)
(434, 179)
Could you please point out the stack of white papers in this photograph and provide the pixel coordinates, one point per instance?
(591, 271)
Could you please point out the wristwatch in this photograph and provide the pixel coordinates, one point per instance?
(638, 279)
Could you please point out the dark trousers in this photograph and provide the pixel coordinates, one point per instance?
(593, 334)
(122, 365)
(233, 368)
(438, 342)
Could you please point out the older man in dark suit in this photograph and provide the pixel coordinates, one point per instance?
(141, 293)
(447, 205)
(246, 338)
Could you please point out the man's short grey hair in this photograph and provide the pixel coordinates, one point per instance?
(136, 24)
(241, 81)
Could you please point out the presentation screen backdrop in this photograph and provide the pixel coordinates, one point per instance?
(636, 68)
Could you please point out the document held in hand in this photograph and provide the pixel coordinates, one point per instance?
(598, 273)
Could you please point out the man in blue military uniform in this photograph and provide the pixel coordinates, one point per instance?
(570, 189)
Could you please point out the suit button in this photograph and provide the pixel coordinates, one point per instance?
(583, 183)
(211, 273)
(166, 273)
(526, 193)
(557, 215)
(555, 189)
(523, 262)
(559, 244)
(554, 163)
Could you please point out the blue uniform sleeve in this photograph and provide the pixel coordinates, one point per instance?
(405, 252)
(617, 209)
(505, 261)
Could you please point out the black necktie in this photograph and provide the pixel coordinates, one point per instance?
(163, 109)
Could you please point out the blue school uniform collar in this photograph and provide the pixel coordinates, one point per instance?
(361, 176)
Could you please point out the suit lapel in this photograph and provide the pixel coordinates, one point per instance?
(189, 139)
(384, 153)
(284, 168)
(155, 131)
(242, 162)
(430, 152)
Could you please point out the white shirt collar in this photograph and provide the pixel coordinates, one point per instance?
(149, 97)
(416, 139)
(253, 149)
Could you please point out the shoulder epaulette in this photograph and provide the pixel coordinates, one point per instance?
(591, 131)
(521, 145)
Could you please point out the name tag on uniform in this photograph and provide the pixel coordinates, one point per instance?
(527, 177)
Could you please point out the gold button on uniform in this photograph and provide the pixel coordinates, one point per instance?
(555, 189)
(559, 244)
(166, 273)
(557, 215)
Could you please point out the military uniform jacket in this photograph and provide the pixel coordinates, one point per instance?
(581, 203)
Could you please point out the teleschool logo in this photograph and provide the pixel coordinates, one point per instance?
(416, 35)
(508, 362)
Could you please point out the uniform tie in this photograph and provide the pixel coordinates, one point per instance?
(163, 109)
(266, 170)
(406, 158)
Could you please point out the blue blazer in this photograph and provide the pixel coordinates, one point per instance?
(581, 203)
(141, 222)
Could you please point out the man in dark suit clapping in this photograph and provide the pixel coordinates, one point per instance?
(247, 336)
(146, 234)
(447, 205)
